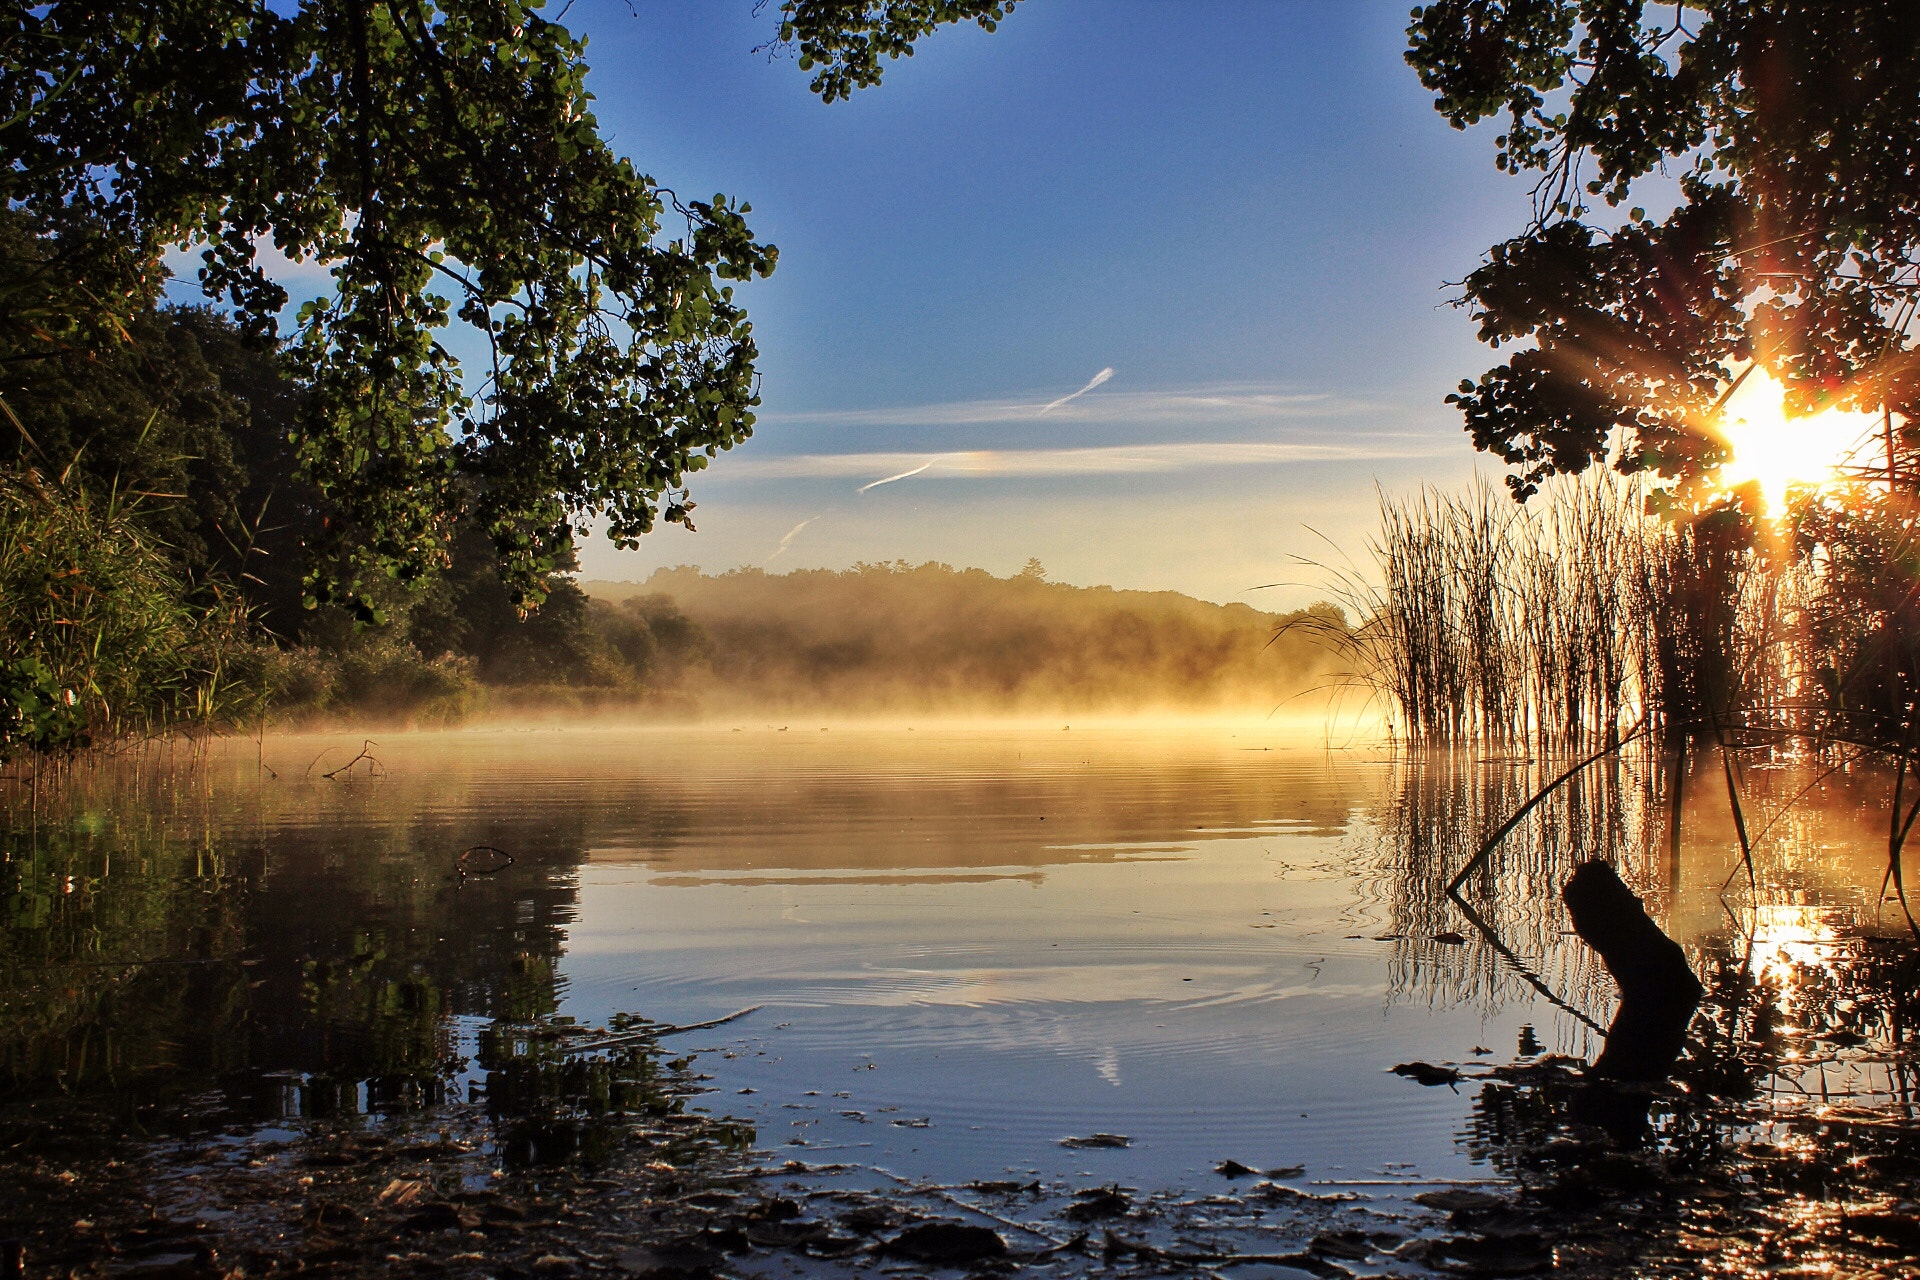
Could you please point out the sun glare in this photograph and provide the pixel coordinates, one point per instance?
(1782, 453)
(1788, 938)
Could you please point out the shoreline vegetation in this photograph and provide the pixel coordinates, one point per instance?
(1583, 618)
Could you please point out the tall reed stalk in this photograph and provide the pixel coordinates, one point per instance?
(1572, 619)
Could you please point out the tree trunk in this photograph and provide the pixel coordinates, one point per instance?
(1658, 992)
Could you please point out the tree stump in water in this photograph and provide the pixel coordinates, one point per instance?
(1658, 992)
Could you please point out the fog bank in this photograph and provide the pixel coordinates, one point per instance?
(930, 639)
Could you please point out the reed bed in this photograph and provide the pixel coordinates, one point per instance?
(1571, 622)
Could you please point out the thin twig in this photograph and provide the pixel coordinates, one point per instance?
(654, 1033)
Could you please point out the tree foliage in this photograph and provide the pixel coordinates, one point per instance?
(1785, 133)
(844, 43)
(191, 417)
(441, 160)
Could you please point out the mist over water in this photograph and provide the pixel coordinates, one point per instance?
(929, 640)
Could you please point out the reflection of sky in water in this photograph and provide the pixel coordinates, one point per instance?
(1182, 956)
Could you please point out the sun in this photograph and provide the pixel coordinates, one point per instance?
(1783, 453)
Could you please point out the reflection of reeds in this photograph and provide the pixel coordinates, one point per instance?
(1811, 826)
(1447, 803)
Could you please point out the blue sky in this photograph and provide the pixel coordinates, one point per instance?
(1247, 209)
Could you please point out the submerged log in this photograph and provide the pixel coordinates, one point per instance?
(1658, 992)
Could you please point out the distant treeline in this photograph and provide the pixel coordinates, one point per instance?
(933, 639)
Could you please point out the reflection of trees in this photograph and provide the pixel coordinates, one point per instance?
(161, 935)
(120, 962)
(178, 960)
(551, 1107)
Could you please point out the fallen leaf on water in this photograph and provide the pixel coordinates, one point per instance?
(676, 1258)
(402, 1192)
(1353, 1246)
(1457, 1201)
(1101, 1202)
(947, 1243)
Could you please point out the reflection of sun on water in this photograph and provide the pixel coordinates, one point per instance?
(1786, 936)
(1783, 453)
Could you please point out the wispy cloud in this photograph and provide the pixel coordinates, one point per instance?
(787, 539)
(1093, 460)
(1096, 380)
(902, 476)
(1222, 404)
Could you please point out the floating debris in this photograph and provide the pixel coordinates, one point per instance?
(1097, 1141)
(1427, 1074)
(947, 1243)
(482, 860)
(1097, 1203)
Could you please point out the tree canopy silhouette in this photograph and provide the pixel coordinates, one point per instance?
(441, 160)
(1784, 134)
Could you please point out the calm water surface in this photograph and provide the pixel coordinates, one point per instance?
(965, 943)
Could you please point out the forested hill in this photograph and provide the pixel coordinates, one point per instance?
(933, 639)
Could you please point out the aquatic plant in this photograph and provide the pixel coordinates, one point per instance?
(1578, 620)
(1490, 621)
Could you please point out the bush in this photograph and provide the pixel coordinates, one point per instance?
(99, 636)
(383, 681)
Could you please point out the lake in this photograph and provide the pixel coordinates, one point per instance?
(970, 951)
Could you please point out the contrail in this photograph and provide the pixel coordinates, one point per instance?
(902, 476)
(788, 540)
(1098, 378)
